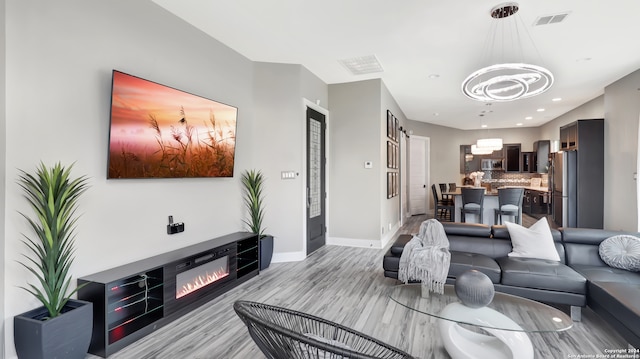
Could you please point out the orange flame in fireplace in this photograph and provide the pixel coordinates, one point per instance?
(201, 281)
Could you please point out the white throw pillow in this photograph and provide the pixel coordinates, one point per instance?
(533, 242)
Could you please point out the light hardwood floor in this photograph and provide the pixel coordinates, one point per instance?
(345, 285)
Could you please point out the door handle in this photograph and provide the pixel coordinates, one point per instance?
(308, 197)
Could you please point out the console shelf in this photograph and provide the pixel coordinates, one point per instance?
(136, 299)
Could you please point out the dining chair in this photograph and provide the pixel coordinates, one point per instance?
(472, 202)
(444, 197)
(443, 210)
(509, 204)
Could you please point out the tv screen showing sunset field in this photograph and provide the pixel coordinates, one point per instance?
(160, 132)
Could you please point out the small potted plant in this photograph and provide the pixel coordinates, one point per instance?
(253, 182)
(61, 327)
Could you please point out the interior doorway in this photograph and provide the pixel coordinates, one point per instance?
(418, 174)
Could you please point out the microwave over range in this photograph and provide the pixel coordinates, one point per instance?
(491, 164)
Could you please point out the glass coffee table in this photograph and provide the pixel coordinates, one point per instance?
(507, 318)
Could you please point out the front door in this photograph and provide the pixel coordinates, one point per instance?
(316, 160)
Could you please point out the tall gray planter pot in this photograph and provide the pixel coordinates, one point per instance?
(266, 251)
(66, 336)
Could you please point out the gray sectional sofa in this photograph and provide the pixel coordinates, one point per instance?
(580, 279)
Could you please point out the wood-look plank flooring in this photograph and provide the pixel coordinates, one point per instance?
(345, 285)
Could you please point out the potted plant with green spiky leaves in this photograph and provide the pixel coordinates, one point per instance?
(253, 186)
(61, 327)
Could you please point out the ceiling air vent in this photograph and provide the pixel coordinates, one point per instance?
(551, 19)
(362, 65)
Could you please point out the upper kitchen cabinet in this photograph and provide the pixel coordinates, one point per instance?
(468, 162)
(526, 162)
(512, 157)
(569, 136)
(541, 153)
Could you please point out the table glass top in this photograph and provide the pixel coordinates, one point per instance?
(526, 315)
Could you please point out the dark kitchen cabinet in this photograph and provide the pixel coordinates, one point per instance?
(539, 202)
(569, 136)
(583, 145)
(541, 153)
(468, 161)
(527, 161)
(512, 157)
(526, 202)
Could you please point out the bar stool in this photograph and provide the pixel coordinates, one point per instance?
(509, 204)
(441, 208)
(472, 202)
(452, 187)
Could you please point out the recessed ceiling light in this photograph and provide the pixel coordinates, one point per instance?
(528, 118)
(484, 126)
(434, 76)
(519, 124)
(540, 110)
(556, 99)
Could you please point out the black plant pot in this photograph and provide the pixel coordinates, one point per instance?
(66, 336)
(266, 251)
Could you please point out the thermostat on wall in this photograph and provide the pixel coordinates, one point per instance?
(368, 164)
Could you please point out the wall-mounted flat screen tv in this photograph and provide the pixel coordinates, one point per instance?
(159, 132)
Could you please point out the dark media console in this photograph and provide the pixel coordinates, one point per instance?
(133, 300)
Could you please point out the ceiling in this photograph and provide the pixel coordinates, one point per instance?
(428, 47)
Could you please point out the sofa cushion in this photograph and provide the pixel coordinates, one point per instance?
(607, 274)
(467, 229)
(541, 274)
(398, 245)
(619, 299)
(533, 242)
(464, 261)
(621, 251)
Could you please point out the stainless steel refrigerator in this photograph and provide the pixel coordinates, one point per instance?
(564, 188)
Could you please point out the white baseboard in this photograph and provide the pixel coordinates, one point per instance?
(288, 257)
(354, 242)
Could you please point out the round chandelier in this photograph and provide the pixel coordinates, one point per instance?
(507, 81)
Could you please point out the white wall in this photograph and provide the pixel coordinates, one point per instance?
(360, 212)
(390, 207)
(3, 153)
(59, 58)
(280, 140)
(354, 201)
(622, 108)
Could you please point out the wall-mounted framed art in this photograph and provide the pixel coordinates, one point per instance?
(392, 126)
(392, 184)
(392, 155)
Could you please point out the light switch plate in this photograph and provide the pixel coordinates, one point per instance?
(288, 174)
